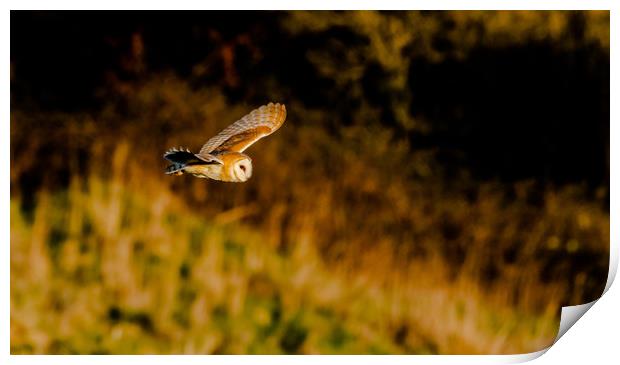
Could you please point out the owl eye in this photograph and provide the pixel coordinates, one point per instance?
(242, 167)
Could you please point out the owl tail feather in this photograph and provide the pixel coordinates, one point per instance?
(179, 158)
(175, 169)
(179, 155)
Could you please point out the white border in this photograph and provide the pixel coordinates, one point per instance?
(597, 335)
(5, 331)
(313, 5)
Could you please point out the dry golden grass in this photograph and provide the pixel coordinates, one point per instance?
(345, 241)
(104, 269)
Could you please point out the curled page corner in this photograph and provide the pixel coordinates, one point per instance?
(568, 317)
(571, 314)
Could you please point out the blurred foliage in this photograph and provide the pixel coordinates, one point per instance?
(368, 43)
(392, 213)
(120, 266)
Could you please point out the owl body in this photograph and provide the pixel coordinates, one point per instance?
(236, 167)
(221, 158)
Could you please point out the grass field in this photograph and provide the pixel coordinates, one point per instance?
(160, 280)
(124, 265)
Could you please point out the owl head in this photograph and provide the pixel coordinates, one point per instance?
(241, 168)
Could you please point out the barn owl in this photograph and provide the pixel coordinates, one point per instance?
(221, 158)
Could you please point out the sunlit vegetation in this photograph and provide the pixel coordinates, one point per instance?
(348, 238)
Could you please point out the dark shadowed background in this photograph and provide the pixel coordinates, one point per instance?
(441, 184)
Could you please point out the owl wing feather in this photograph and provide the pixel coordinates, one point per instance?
(246, 131)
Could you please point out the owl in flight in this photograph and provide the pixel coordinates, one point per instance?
(221, 158)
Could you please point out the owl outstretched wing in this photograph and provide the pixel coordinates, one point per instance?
(243, 133)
